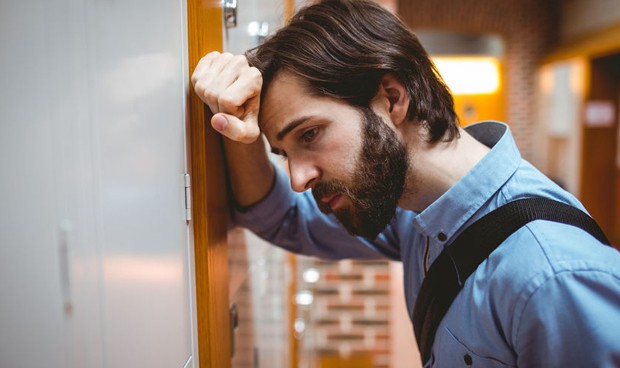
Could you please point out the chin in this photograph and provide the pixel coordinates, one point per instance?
(361, 227)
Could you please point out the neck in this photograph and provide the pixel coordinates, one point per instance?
(435, 168)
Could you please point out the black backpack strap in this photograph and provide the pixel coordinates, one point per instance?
(460, 259)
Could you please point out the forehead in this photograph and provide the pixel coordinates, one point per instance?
(284, 98)
(288, 98)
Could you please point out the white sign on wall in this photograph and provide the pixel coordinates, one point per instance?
(600, 114)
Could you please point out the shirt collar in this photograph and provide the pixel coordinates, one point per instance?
(449, 212)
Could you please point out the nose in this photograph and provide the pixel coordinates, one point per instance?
(303, 174)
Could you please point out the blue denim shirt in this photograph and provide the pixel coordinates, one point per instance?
(549, 296)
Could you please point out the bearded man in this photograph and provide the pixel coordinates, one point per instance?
(379, 167)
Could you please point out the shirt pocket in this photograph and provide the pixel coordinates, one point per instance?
(449, 352)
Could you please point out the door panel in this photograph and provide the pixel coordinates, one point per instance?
(33, 201)
(138, 119)
(95, 253)
(598, 179)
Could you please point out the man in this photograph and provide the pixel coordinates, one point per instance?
(349, 97)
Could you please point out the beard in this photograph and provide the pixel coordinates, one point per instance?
(377, 182)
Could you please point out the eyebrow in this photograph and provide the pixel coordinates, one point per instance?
(290, 126)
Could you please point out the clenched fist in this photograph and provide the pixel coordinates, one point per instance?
(231, 88)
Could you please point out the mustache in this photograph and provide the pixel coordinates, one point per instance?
(328, 188)
(323, 189)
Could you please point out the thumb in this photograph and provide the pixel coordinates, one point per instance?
(244, 131)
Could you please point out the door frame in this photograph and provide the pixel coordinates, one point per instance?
(209, 222)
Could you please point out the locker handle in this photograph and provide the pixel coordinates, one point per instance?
(63, 258)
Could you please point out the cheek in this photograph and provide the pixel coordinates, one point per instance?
(340, 158)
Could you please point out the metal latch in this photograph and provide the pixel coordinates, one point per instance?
(188, 197)
(234, 324)
(230, 13)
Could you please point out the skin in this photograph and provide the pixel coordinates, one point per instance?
(363, 186)
(320, 123)
(320, 136)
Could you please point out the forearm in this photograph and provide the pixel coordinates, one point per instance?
(251, 172)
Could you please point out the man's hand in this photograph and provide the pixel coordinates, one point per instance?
(231, 88)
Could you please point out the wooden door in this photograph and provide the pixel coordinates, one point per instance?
(94, 239)
(209, 198)
(599, 174)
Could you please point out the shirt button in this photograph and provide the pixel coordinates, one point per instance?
(442, 236)
(467, 359)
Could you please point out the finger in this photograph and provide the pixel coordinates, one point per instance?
(209, 80)
(219, 63)
(224, 73)
(234, 100)
(213, 80)
(203, 65)
(235, 128)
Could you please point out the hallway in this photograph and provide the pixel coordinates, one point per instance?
(117, 243)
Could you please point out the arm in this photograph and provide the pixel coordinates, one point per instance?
(293, 221)
(251, 172)
(231, 89)
(571, 320)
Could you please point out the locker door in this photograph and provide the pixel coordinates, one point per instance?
(138, 88)
(35, 231)
(94, 245)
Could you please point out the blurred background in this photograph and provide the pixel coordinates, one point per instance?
(115, 244)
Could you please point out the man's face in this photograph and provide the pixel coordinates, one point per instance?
(376, 184)
(350, 158)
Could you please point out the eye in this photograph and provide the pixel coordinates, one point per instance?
(309, 135)
(280, 153)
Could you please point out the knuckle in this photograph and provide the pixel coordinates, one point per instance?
(227, 102)
(223, 60)
(240, 60)
(209, 95)
(226, 56)
(196, 79)
(198, 90)
(198, 87)
(254, 73)
(209, 57)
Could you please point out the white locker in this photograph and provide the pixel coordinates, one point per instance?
(95, 255)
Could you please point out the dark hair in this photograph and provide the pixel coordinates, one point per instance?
(342, 48)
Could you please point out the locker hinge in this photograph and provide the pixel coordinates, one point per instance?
(188, 197)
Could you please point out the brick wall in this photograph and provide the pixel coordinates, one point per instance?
(529, 30)
(350, 313)
(260, 276)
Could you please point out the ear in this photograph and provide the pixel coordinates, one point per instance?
(392, 99)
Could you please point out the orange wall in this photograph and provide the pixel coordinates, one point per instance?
(474, 108)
